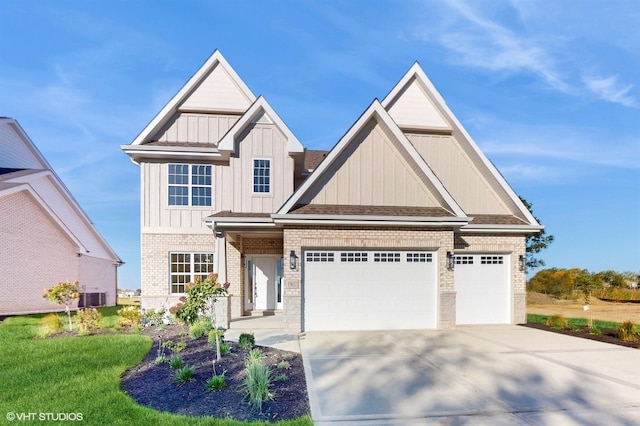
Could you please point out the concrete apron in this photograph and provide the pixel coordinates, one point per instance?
(497, 375)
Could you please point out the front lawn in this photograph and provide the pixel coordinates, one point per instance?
(79, 375)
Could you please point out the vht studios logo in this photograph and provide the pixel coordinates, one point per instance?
(52, 417)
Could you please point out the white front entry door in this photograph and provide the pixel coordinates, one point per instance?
(265, 279)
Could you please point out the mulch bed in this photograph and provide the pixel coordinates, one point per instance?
(155, 386)
(607, 336)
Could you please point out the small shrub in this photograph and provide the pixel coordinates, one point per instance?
(176, 362)
(179, 347)
(257, 382)
(88, 320)
(246, 340)
(627, 331)
(225, 348)
(287, 357)
(130, 317)
(595, 331)
(216, 382)
(152, 318)
(212, 336)
(254, 356)
(169, 344)
(49, 324)
(281, 378)
(161, 359)
(557, 321)
(184, 374)
(284, 365)
(200, 328)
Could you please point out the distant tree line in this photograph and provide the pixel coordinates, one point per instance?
(567, 283)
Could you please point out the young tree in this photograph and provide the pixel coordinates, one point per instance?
(201, 300)
(64, 293)
(536, 242)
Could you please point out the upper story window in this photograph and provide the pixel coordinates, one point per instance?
(189, 185)
(261, 175)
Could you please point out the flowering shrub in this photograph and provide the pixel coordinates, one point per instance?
(64, 293)
(88, 320)
(129, 316)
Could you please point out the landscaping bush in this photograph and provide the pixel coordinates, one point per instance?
(176, 362)
(216, 382)
(200, 328)
(88, 320)
(49, 324)
(129, 317)
(257, 382)
(184, 374)
(627, 332)
(152, 318)
(557, 321)
(64, 293)
(246, 340)
(212, 335)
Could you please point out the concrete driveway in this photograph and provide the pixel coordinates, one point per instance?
(476, 375)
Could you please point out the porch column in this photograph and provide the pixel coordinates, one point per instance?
(220, 258)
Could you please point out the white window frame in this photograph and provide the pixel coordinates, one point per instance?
(189, 276)
(190, 186)
(253, 176)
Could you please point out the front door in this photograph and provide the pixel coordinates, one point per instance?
(264, 280)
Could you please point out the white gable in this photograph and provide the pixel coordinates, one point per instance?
(218, 91)
(16, 150)
(412, 108)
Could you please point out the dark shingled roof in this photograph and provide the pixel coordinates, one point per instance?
(495, 219)
(313, 158)
(331, 209)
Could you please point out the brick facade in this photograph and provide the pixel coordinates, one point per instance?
(35, 254)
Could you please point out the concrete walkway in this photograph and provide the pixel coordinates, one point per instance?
(480, 375)
(268, 330)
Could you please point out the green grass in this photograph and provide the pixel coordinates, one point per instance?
(81, 375)
(574, 322)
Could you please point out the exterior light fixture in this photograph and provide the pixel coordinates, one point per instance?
(293, 260)
(522, 263)
(450, 260)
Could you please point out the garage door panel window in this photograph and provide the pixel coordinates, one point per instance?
(386, 257)
(464, 260)
(419, 257)
(319, 256)
(491, 260)
(353, 257)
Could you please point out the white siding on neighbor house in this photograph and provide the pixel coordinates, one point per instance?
(196, 128)
(472, 189)
(72, 218)
(258, 141)
(35, 254)
(14, 152)
(414, 109)
(218, 92)
(373, 170)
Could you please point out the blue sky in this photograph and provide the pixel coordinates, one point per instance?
(549, 90)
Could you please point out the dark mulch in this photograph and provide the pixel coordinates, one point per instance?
(155, 386)
(607, 336)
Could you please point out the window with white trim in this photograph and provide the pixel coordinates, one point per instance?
(261, 175)
(185, 267)
(190, 185)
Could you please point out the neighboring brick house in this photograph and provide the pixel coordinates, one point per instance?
(45, 236)
(403, 224)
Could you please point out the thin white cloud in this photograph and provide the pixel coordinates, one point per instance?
(611, 90)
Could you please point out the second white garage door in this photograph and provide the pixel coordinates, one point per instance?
(369, 290)
(483, 290)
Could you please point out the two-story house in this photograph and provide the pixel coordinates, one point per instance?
(403, 224)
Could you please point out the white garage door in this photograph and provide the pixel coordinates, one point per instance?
(483, 289)
(369, 290)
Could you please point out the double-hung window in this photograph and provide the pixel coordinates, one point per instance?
(189, 185)
(261, 175)
(185, 267)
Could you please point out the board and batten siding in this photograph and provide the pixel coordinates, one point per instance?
(14, 152)
(451, 164)
(258, 141)
(232, 185)
(196, 128)
(374, 171)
